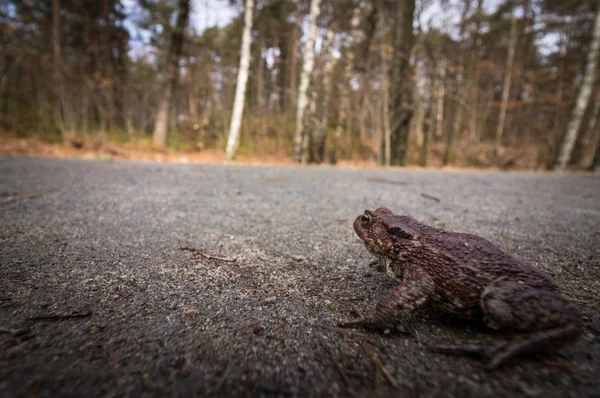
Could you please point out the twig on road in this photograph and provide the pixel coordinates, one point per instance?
(431, 197)
(379, 365)
(337, 365)
(386, 181)
(224, 377)
(18, 332)
(384, 371)
(25, 195)
(59, 317)
(344, 331)
(575, 300)
(207, 256)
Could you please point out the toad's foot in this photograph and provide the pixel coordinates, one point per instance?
(485, 352)
(378, 264)
(374, 323)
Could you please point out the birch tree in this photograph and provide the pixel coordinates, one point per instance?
(506, 84)
(583, 97)
(307, 67)
(310, 121)
(161, 123)
(440, 95)
(233, 140)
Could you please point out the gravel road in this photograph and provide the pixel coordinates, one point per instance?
(98, 299)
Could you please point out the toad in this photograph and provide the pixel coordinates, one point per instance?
(466, 276)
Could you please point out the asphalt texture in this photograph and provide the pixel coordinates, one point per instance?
(98, 299)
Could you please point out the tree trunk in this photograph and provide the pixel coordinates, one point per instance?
(260, 75)
(485, 96)
(293, 67)
(506, 84)
(342, 122)
(589, 141)
(191, 97)
(559, 113)
(583, 96)
(454, 133)
(425, 152)
(364, 109)
(161, 123)
(440, 94)
(385, 104)
(474, 75)
(383, 114)
(596, 162)
(85, 107)
(59, 104)
(401, 82)
(474, 108)
(276, 75)
(233, 140)
(310, 122)
(417, 121)
(307, 68)
(319, 139)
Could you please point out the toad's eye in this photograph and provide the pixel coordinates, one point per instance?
(365, 219)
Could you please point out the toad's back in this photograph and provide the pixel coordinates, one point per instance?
(477, 260)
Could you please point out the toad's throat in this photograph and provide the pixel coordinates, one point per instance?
(390, 268)
(375, 250)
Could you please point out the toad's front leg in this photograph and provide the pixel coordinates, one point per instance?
(398, 303)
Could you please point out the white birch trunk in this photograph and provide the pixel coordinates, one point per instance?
(583, 97)
(440, 93)
(307, 67)
(233, 140)
(506, 84)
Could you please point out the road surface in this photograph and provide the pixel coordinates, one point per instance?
(98, 299)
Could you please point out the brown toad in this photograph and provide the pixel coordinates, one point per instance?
(467, 276)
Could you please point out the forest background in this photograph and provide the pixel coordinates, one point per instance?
(509, 84)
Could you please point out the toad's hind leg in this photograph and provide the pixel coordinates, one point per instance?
(547, 319)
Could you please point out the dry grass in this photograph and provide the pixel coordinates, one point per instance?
(468, 155)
